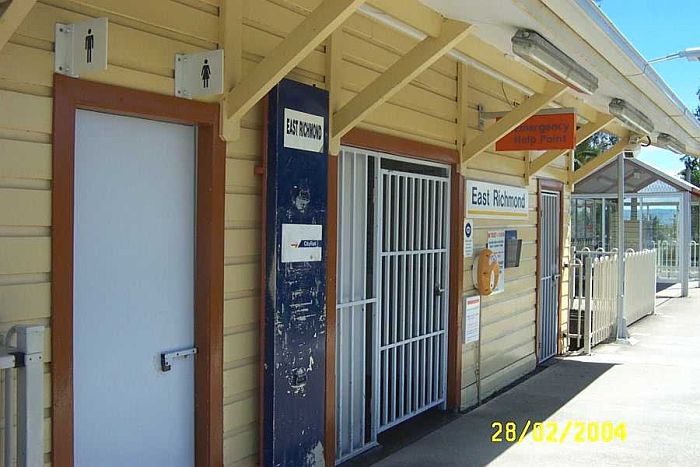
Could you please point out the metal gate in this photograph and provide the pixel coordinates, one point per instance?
(550, 274)
(392, 289)
(413, 317)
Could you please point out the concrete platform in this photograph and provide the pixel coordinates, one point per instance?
(651, 385)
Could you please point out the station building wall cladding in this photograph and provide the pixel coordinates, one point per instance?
(142, 43)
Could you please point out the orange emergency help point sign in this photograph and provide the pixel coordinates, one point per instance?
(541, 132)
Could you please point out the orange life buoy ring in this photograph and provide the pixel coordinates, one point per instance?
(488, 273)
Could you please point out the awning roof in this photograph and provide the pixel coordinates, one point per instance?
(581, 30)
(640, 178)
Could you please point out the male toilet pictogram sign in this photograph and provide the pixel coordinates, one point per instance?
(200, 74)
(89, 45)
(81, 48)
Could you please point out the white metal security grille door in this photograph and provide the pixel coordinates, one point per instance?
(356, 301)
(391, 326)
(411, 329)
(550, 275)
(134, 207)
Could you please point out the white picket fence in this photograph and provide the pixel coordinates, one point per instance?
(595, 288)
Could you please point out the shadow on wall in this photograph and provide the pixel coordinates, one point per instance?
(468, 437)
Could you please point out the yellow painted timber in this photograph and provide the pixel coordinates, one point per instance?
(11, 16)
(423, 19)
(334, 61)
(511, 120)
(429, 19)
(328, 16)
(462, 106)
(231, 40)
(582, 135)
(398, 75)
(600, 160)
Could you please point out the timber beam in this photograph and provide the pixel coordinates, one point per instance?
(510, 121)
(582, 135)
(308, 35)
(398, 75)
(334, 59)
(231, 41)
(11, 16)
(600, 160)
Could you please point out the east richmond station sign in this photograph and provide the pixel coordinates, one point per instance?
(492, 201)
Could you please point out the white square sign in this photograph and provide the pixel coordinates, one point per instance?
(301, 243)
(303, 131)
(81, 47)
(472, 309)
(200, 74)
(468, 238)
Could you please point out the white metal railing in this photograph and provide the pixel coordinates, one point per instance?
(594, 290)
(668, 264)
(695, 260)
(22, 368)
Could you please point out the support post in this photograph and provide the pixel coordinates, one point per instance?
(334, 61)
(231, 40)
(30, 396)
(622, 334)
(462, 106)
(587, 318)
(603, 237)
(684, 244)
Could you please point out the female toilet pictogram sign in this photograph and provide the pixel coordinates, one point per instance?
(199, 74)
(206, 73)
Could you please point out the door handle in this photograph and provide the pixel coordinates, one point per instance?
(167, 358)
(439, 290)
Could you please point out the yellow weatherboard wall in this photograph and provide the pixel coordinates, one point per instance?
(143, 39)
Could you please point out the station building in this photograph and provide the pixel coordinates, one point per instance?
(220, 286)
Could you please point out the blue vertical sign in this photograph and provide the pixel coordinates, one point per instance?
(295, 290)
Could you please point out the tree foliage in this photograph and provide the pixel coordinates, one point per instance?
(593, 146)
(692, 164)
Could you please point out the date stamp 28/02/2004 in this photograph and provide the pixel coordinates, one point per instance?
(555, 432)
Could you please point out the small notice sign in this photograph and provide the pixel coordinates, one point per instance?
(301, 243)
(303, 131)
(541, 133)
(497, 244)
(472, 310)
(81, 48)
(199, 74)
(468, 238)
(492, 201)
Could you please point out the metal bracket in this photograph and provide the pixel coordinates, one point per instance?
(483, 115)
(63, 62)
(166, 358)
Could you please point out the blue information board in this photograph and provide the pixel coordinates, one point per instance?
(294, 383)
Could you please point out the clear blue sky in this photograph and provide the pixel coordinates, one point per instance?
(658, 28)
